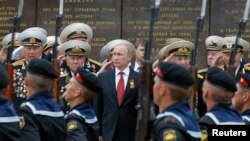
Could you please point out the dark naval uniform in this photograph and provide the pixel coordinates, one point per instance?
(176, 123)
(9, 122)
(82, 124)
(221, 114)
(19, 88)
(43, 119)
(246, 116)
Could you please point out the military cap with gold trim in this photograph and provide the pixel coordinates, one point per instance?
(172, 40)
(228, 42)
(50, 42)
(168, 42)
(211, 43)
(179, 48)
(32, 37)
(37, 29)
(106, 51)
(76, 30)
(7, 40)
(75, 47)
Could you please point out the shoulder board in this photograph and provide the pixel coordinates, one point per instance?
(19, 62)
(247, 67)
(221, 67)
(94, 61)
(200, 76)
(202, 70)
(63, 74)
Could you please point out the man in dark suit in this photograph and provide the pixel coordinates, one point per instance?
(116, 104)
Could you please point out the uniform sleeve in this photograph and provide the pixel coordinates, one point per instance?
(75, 131)
(29, 130)
(10, 132)
(170, 134)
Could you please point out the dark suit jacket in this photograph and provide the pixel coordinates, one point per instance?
(117, 122)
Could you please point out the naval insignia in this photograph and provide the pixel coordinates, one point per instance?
(21, 122)
(169, 135)
(32, 40)
(131, 83)
(71, 126)
(204, 135)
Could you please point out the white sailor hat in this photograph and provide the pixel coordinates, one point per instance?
(76, 30)
(75, 47)
(7, 40)
(211, 43)
(37, 29)
(106, 51)
(228, 42)
(50, 42)
(32, 37)
(179, 48)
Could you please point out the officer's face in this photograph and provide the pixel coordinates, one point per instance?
(74, 62)
(182, 60)
(72, 90)
(120, 57)
(239, 99)
(31, 52)
(211, 56)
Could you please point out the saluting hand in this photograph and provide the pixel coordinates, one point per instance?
(3, 53)
(106, 64)
(220, 59)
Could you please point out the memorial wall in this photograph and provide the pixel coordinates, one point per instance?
(129, 19)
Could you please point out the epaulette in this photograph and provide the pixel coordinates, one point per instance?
(221, 67)
(200, 76)
(19, 62)
(94, 61)
(201, 73)
(63, 74)
(202, 70)
(247, 67)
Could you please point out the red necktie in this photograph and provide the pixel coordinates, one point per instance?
(120, 88)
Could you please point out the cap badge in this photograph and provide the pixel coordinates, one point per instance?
(183, 49)
(76, 49)
(78, 31)
(229, 44)
(16, 43)
(32, 40)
